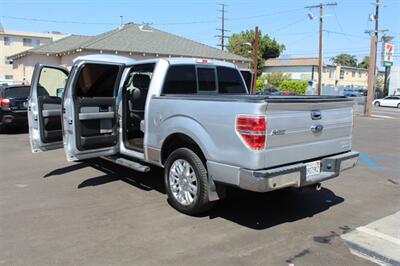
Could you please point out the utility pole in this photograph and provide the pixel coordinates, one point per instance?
(372, 63)
(222, 36)
(255, 60)
(320, 61)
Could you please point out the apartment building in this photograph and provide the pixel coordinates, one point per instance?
(307, 69)
(13, 42)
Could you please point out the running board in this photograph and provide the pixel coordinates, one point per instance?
(128, 163)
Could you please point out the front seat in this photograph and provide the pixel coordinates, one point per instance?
(138, 97)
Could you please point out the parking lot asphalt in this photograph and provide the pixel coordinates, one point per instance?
(97, 213)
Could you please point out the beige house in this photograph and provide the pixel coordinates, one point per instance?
(132, 40)
(307, 69)
(13, 42)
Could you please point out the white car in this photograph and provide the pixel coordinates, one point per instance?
(389, 101)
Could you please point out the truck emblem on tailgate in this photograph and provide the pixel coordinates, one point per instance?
(316, 115)
(317, 128)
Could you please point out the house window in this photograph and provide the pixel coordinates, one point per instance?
(341, 74)
(353, 74)
(7, 61)
(359, 74)
(35, 42)
(27, 42)
(331, 71)
(8, 40)
(8, 76)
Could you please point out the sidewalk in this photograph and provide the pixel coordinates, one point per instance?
(378, 241)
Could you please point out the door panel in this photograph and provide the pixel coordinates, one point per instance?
(96, 127)
(44, 107)
(50, 119)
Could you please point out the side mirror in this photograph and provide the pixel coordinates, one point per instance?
(60, 92)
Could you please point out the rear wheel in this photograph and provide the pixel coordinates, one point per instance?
(398, 106)
(377, 104)
(186, 182)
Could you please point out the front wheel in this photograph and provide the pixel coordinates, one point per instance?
(377, 104)
(186, 182)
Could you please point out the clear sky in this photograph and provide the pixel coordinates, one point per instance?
(284, 20)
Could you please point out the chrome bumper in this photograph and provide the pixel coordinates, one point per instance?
(295, 175)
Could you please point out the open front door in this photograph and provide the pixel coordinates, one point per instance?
(90, 118)
(44, 107)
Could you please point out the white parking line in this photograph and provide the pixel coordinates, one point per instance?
(383, 116)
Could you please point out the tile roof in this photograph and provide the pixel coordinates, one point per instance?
(137, 38)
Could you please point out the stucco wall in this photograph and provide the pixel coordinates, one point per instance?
(24, 67)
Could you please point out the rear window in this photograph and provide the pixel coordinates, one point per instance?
(180, 80)
(247, 76)
(16, 92)
(230, 81)
(206, 78)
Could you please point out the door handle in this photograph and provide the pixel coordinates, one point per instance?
(70, 121)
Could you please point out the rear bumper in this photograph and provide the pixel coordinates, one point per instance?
(295, 175)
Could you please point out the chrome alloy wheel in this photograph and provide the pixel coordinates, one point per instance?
(183, 182)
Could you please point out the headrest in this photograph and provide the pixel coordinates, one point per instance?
(141, 81)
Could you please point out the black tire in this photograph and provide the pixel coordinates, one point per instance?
(398, 106)
(377, 104)
(200, 203)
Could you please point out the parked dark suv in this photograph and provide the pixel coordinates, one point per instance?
(13, 106)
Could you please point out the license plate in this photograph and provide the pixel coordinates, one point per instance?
(313, 169)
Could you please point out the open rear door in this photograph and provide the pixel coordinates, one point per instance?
(90, 118)
(44, 107)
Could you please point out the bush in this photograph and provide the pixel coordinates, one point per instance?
(260, 84)
(298, 86)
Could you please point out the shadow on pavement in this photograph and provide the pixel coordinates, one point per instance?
(13, 130)
(66, 169)
(253, 210)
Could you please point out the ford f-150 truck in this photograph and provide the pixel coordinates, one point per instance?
(193, 117)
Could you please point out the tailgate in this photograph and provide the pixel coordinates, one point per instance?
(300, 131)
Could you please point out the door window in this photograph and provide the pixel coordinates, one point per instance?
(51, 82)
(97, 80)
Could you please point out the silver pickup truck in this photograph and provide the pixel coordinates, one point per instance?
(194, 118)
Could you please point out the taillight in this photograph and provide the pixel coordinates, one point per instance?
(4, 102)
(252, 129)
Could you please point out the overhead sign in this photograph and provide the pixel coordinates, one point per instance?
(388, 54)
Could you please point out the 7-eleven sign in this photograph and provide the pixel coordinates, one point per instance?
(388, 54)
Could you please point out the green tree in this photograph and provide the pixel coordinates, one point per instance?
(275, 79)
(364, 63)
(345, 60)
(268, 48)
